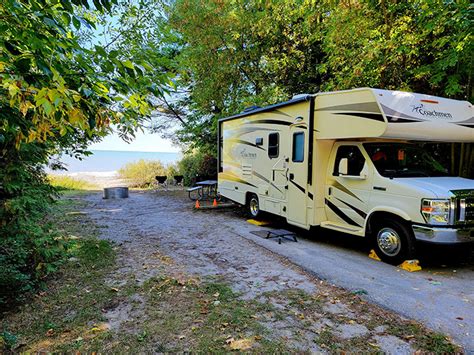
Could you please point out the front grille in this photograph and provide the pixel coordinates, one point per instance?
(463, 204)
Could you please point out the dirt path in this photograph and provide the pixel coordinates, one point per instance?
(160, 234)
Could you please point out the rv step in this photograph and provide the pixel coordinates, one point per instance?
(341, 228)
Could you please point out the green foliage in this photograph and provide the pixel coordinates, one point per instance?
(58, 93)
(260, 52)
(422, 46)
(196, 164)
(53, 79)
(255, 53)
(30, 251)
(64, 182)
(142, 173)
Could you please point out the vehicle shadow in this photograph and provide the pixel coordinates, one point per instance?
(430, 255)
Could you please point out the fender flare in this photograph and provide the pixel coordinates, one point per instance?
(391, 210)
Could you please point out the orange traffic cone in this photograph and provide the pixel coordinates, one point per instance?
(214, 204)
(197, 204)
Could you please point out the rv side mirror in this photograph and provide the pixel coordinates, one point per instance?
(343, 166)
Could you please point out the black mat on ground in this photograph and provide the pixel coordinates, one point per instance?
(260, 233)
(280, 238)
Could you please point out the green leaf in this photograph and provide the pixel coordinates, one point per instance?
(76, 22)
(48, 108)
(128, 64)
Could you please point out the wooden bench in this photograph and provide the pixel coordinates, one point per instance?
(195, 189)
(281, 233)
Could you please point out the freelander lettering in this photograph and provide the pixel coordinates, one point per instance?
(432, 113)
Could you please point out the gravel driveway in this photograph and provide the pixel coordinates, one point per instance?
(221, 243)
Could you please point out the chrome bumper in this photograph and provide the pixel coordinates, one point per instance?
(443, 235)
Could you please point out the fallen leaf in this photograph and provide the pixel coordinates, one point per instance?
(50, 333)
(242, 344)
(258, 337)
(217, 294)
(229, 340)
(115, 289)
(181, 337)
(301, 316)
(102, 327)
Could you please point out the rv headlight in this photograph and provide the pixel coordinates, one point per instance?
(435, 211)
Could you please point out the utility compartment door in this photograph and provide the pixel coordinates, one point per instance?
(297, 175)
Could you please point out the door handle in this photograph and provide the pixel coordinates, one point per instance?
(292, 176)
(329, 191)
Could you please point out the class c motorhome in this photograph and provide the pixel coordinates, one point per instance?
(347, 161)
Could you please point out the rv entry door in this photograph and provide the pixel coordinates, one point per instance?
(297, 175)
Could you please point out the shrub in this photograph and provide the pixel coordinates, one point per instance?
(29, 250)
(64, 182)
(142, 173)
(197, 164)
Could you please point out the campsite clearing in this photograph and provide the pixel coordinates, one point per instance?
(201, 280)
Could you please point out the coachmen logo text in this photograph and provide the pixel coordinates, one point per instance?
(431, 113)
(245, 154)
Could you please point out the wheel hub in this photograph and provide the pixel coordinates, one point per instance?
(254, 207)
(388, 241)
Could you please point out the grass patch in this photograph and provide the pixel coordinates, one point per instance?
(432, 342)
(70, 305)
(63, 182)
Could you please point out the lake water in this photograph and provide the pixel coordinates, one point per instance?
(110, 160)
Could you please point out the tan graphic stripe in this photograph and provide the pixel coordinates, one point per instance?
(341, 187)
(240, 141)
(233, 178)
(362, 107)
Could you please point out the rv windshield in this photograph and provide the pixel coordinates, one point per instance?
(403, 160)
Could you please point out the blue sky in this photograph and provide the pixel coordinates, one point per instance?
(144, 142)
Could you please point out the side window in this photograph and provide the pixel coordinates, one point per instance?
(298, 147)
(273, 145)
(355, 160)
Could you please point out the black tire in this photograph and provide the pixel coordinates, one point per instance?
(253, 206)
(393, 241)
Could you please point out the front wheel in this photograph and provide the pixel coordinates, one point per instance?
(393, 241)
(253, 206)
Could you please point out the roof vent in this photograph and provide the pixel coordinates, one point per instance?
(299, 96)
(250, 108)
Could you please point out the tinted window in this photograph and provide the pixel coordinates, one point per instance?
(273, 145)
(298, 147)
(403, 160)
(355, 160)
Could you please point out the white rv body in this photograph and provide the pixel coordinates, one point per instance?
(289, 157)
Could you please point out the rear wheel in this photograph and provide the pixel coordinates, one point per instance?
(253, 206)
(393, 241)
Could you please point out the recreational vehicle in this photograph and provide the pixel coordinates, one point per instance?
(350, 161)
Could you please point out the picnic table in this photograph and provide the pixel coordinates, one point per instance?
(206, 189)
